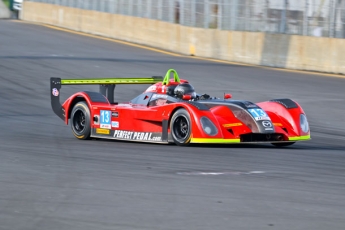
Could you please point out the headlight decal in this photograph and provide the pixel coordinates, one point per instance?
(304, 123)
(208, 127)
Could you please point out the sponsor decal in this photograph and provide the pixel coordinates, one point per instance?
(124, 105)
(55, 92)
(266, 124)
(251, 106)
(164, 96)
(105, 121)
(232, 125)
(115, 124)
(105, 126)
(115, 114)
(140, 136)
(103, 131)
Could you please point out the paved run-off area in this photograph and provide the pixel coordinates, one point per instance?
(51, 180)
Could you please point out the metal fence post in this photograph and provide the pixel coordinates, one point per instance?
(94, 5)
(342, 18)
(101, 5)
(247, 14)
(182, 19)
(265, 16)
(332, 17)
(114, 8)
(139, 8)
(171, 11)
(120, 8)
(193, 14)
(206, 13)
(160, 10)
(282, 28)
(233, 20)
(148, 8)
(219, 14)
(305, 18)
(130, 7)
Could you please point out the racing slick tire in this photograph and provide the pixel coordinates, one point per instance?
(80, 121)
(180, 127)
(283, 144)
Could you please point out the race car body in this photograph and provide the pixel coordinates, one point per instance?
(170, 111)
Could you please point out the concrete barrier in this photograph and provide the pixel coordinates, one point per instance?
(4, 11)
(276, 50)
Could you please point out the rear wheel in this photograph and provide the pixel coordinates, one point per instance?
(80, 121)
(283, 144)
(180, 127)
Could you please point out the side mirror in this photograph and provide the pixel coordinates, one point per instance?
(186, 97)
(227, 96)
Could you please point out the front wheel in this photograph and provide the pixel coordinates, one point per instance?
(283, 144)
(80, 121)
(180, 127)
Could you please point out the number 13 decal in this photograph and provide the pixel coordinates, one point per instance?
(105, 122)
(259, 114)
(105, 117)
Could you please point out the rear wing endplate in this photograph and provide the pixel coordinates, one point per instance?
(106, 88)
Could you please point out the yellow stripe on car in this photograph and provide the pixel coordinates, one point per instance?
(110, 81)
(300, 138)
(214, 140)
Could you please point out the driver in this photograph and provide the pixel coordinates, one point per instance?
(184, 89)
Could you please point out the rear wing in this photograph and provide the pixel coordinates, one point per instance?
(106, 88)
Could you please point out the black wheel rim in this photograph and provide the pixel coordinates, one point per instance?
(181, 128)
(79, 121)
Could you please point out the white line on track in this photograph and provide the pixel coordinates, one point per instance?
(200, 173)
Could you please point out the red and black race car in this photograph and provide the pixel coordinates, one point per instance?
(170, 111)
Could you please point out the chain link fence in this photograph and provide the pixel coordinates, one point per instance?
(322, 18)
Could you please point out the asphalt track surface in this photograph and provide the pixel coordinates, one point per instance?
(51, 180)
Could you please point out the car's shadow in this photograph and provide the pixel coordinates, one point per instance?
(296, 146)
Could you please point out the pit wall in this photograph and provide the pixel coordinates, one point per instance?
(276, 50)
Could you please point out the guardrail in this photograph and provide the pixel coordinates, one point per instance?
(320, 18)
(276, 50)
